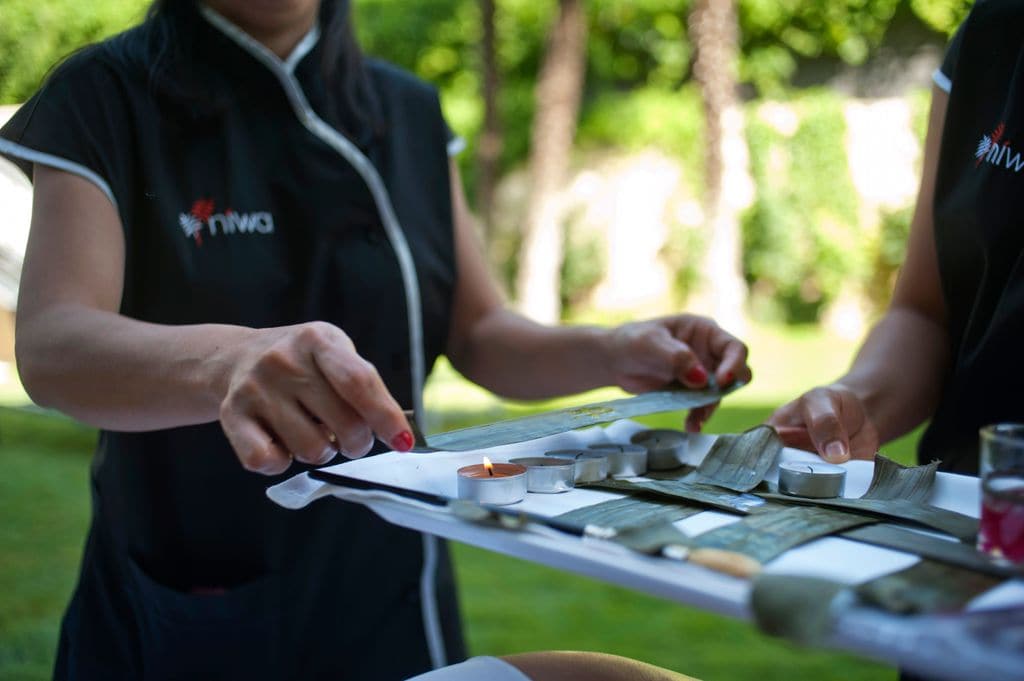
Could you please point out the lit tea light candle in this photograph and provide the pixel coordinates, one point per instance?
(548, 475)
(624, 461)
(590, 466)
(813, 480)
(666, 449)
(492, 483)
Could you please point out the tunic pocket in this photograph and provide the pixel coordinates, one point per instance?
(231, 635)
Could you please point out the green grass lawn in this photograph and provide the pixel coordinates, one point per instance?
(44, 509)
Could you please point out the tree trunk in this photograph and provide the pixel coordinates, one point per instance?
(728, 188)
(558, 93)
(489, 151)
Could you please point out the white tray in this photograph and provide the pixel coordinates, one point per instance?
(937, 646)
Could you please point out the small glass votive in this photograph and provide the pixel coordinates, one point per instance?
(1001, 465)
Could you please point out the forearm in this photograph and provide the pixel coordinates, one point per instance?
(122, 374)
(515, 357)
(898, 373)
(520, 359)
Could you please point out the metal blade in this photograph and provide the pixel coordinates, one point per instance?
(561, 420)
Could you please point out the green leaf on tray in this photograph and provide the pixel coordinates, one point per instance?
(740, 462)
(926, 587)
(629, 512)
(765, 536)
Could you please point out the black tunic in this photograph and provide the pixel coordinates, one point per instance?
(978, 234)
(235, 212)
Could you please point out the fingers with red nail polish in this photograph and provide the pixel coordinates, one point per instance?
(696, 376)
(402, 442)
(303, 392)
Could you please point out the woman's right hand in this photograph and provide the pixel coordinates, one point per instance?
(304, 392)
(831, 420)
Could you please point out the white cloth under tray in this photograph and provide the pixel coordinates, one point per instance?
(483, 668)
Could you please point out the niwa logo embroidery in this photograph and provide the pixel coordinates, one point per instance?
(995, 150)
(202, 215)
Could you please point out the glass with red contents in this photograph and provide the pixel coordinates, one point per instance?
(1001, 533)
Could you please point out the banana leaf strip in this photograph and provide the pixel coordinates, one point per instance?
(765, 536)
(891, 480)
(795, 608)
(961, 526)
(924, 588)
(707, 495)
(629, 512)
(534, 426)
(929, 546)
(740, 462)
(652, 539)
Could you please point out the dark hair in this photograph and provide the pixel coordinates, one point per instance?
(171, 24)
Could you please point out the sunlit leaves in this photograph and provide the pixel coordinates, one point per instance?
(942, 15)
(34, 35)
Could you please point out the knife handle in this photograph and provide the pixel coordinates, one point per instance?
(727, 562)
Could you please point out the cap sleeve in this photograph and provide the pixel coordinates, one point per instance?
(943, 75)
(456, 144)
(77, 122)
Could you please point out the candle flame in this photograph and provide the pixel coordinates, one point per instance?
(488, 466)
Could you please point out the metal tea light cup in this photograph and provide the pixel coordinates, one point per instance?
(624, 461)
(1001, 464)
(548, 475)
(590, 466)
(506, 486)
(813, 480)
(666, 448)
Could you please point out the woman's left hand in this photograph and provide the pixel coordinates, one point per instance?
(652, 354)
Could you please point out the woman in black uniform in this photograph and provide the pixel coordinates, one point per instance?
(949, 347)
(248, 247)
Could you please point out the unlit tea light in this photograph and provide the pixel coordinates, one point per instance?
(548, 475)
(624, 461)
(813, 480)
(666, 449)
(499, 483)
(590, 466)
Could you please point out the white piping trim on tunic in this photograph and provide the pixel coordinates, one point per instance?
(456, 146)
(318, 127)
(307, 43)
(42, 158)
(428, 603)
(942, 80)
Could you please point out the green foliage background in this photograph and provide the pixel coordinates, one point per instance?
(801, 238)
(633, 44)
(35, 35)
(802, 180)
